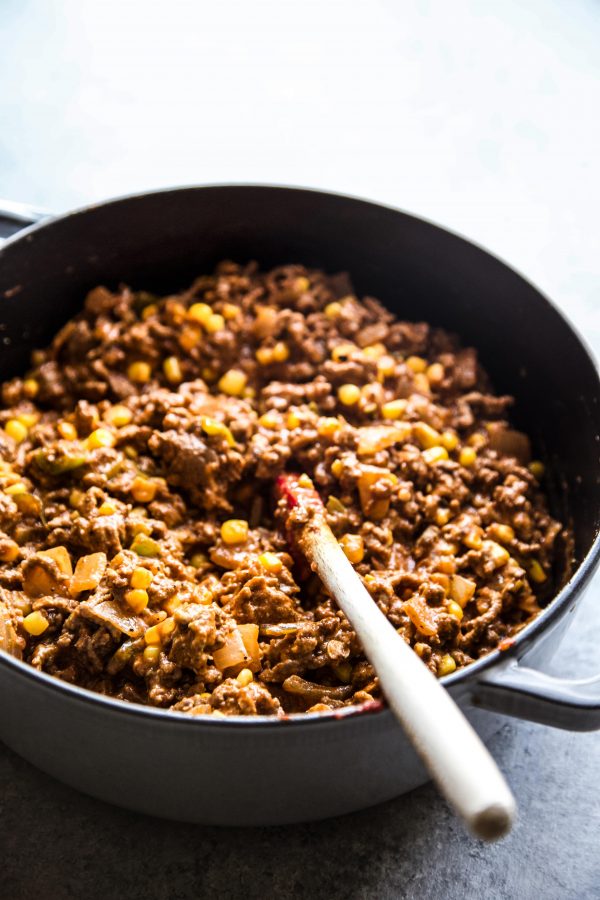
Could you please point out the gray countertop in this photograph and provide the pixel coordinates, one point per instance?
(483, 117)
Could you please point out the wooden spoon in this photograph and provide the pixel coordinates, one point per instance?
(456, 758)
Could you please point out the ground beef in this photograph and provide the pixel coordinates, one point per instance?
(140, 553)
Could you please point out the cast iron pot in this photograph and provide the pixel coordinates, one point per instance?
(263, 771)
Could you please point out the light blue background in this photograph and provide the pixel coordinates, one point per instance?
(483, 116)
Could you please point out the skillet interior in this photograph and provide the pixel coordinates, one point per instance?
(160, 241)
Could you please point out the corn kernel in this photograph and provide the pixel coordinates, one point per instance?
(28, 419)
(143, 490)
(420, 649)
(535, 571)
(30, 388)
(446, 665)
(271, 562)
(101, 437)
(269, 420)
(172, 370)
(496, 552)
(166, 627)
(230, 311)
(449, 440)
(107, 509)
(416, 364)
(447, 548)
(476, 440)
(212, 428)
(245, 677)
(333, 310)
(374, 351)
(151, 655)
(337, 467)
(35, 623)
(467, 456)
(442, 517)
(328, 426)
(349, 394)
(500, 532)
(305, 481)
(434, 455)
(16, 430)
(200, 312)
(234, 531)
(301, 284)
(280, 352)
(395, 409)
(214, 323)
(139, 371)
(293, 420)
(119, 416)
(149, 311)
(353, 546)
(17, 488)
(67, 431)
(144, 545)
(141, 578)
(141, 527)
(264, 355)
(443, 581)
(137, 599)
(386, 366)
(426, 435)
(421, 384)
(474, 538)
(537, 469)
(152, 635)
(10, 551)
(455, 609)
(435, 373)
(233, 382)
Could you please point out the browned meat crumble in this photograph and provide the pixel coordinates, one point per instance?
(139, 553)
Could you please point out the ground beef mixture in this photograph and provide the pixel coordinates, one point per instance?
(140, 552)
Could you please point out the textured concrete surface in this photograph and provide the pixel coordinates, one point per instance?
(480, 116)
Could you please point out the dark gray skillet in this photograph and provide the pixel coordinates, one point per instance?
(260, 771)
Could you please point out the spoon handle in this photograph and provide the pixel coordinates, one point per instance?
(453, 753)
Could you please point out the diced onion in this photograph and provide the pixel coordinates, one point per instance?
(249, 635)
(233, 652)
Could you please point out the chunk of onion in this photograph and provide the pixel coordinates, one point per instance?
(249, 635)
(232, 653)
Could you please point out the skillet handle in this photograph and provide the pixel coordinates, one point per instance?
(515, 690)
(15, 216)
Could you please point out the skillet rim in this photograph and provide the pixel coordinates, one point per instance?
(459, 680)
